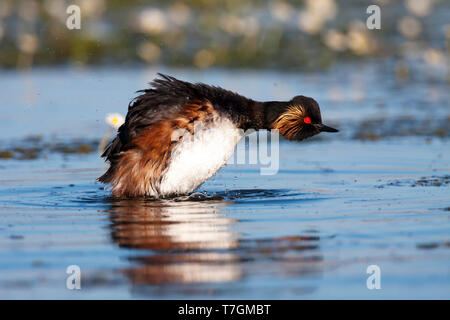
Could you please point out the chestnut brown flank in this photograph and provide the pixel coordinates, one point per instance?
(140, 169)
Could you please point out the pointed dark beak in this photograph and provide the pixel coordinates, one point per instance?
(324, 128)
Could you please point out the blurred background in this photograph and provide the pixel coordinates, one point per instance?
(298, 34)
(263, 49)
(387, 82)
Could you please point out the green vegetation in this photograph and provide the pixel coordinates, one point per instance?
(227, 33)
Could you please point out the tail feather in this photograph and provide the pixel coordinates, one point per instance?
(107, 176)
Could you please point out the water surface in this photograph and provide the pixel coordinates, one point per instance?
(337, 205)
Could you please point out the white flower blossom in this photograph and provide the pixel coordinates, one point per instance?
(115, 120)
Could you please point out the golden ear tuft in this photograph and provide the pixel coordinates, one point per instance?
(290, 122)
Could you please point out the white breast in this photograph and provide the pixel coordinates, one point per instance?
(198, 157)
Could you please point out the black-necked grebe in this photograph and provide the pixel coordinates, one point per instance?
(177, 134)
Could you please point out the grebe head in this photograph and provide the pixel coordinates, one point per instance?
(299, 118)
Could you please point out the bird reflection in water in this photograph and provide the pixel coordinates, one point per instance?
(185, 242)
(193, 242)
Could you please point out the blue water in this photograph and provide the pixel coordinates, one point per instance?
(337, 205)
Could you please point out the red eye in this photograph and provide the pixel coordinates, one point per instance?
(307, 120)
